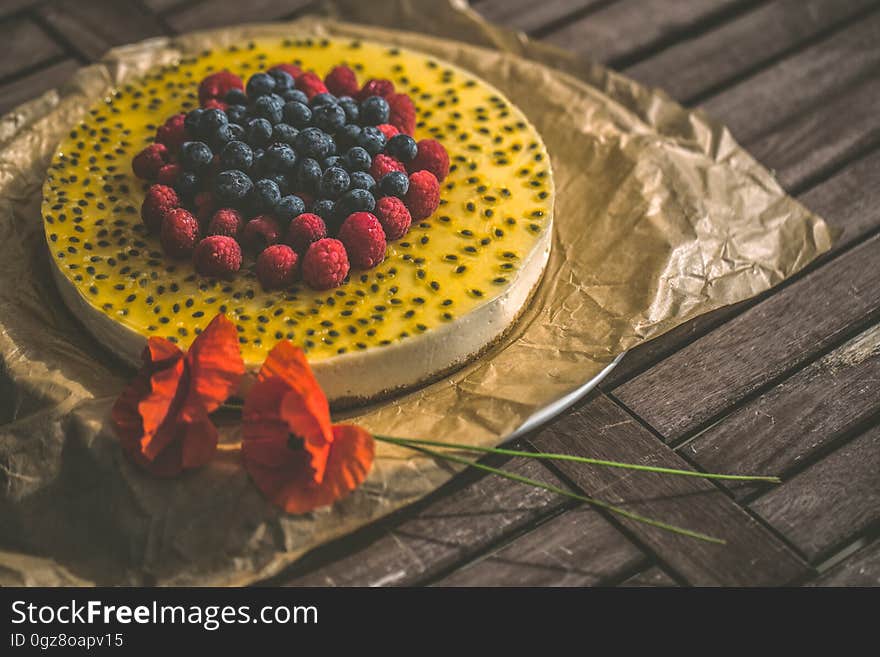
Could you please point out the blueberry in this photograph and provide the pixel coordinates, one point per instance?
(195, 156)
(295, 95)
(289, 207)
(237, 132)
(328, 118)
(187, 184)
(324, 208)
(211, 121)
(279, 158)
(394, 183)
(265, 195)
(322, 99)
(372, 140)
(297, 114)
(350, 107)
(363, 180)
(260, 84)
(402, 147)
(358, 159)
(334, 161)
(191, 122)
(259, 154)
(279, 179)
(348, 136)
(284, 134)
(334, 182)
(232, 186)
(236, 155)
(308, 175)
(236, 113)
(221, 137)
(259, 132)
(235, 97)
(312, 142)
(374, 111)
(283, 80)
(269, 107)
(354, 200)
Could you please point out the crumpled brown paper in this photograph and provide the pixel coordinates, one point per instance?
(660, 217)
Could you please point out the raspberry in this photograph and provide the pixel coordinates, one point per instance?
(215, 86)
(213, 103)
(217, 255)
(423, 196)
(394, 217)
(276, 267)
(260, 232)
(310, 84)
(227, 222)
(388, 130)
(364, 240)
(168, 174)
(325, 264)
(403, 113)
(383, 164)
(431, 157)
(147, 163)
(305, 229)
(159, 200)
(341, 81)
(375, 87)
(172, 133)
(292, 70)
(180, 233)
(205, 207)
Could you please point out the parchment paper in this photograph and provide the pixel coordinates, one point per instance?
(660, 216)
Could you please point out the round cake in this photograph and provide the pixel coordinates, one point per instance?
(445, 291)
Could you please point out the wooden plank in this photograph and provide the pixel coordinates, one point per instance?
(30, 86)
(801, 416)
(8, 7)
(530, 16)
(626, 29)
(25, 45)
(577, 548)
(859, 569)
(160, 6)
(796, 84)
(216, 13)
(791, 327)
(449, 528)
(652, 577)
(712, 60)
(601, 429)
(831, 502)
(92, 27)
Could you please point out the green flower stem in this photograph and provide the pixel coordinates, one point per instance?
(567, 493)
(407, 442)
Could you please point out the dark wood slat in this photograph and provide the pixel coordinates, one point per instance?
(796, 84)
(831, 502)
(630, 26)
(652, 577)
(601, 429)
(450, 529)
(803, 414)
(11, 6)
(30, 86)
(25, 45)
(788, 329)
(528, 15)
(216, 13)
(92, 27)
(689, 68)
(859, 569)
(164, 5)
(577, 548)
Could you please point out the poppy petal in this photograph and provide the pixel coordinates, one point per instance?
(199, 441)
(289, 363)
(314, 428)
(215, 367)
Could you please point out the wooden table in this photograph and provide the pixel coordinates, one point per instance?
(787, 382)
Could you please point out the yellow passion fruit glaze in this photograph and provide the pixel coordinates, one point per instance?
(495, 208)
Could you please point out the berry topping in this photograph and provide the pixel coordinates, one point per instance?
(159, 200)
(364, 240)
(423, 196)
(334, 183)
(217, 255)
(205, 205)
(394, 183)
(236, 155)
(276, 267)
(289, 207)
(431, 157)
(358, 159)
(374, 110)
(291, 69)
(325, 264)
(383, 164)
(342, 81)
(260, 232)
(260, 84)
(147, 163)
(375, 87)
(231, 187)
(305, 229)
(388, 130)
(173, 132)
(179, 234)
(403, 147)
(403, 113)
(394, 217)
(195, 156)
(168, 174)
(216, 86)
(310, 84)
(227, 222)
(266, 195)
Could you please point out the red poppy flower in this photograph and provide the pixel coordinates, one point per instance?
(161, 418)
(296, 457)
